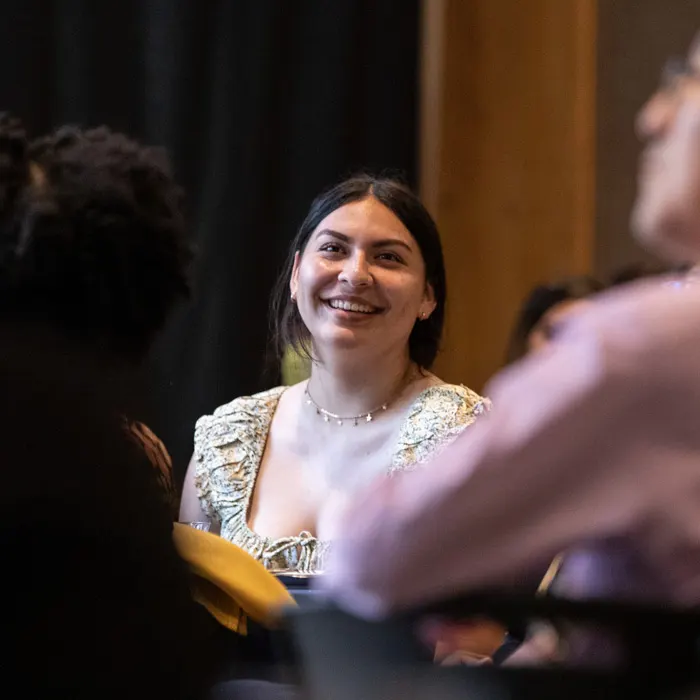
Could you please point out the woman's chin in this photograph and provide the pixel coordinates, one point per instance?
(344, 338)
(339, 339)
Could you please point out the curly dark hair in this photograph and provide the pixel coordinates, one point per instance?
(92, 235)
(288, 328)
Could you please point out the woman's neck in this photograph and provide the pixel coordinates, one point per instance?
(349, 387)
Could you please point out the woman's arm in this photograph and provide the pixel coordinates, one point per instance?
(190, 508)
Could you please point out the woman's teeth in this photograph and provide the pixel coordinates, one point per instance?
(351, 306)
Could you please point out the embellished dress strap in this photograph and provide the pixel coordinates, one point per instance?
(229, 448)
(435, 418)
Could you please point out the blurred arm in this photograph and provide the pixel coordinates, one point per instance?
(558, 461)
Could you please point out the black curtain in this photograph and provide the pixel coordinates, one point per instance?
(261, 104)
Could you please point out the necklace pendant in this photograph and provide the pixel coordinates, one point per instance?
(329, 417)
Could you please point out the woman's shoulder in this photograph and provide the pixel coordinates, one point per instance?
(436, 416)
(451, 401)
(254, 403)
(230, 441)
(242, 412)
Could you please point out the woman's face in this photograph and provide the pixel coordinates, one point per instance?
(543, 333)
(360, 281)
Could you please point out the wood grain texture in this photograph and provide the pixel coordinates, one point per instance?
(508, 160)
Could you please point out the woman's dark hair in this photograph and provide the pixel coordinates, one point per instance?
(540, 300)
(92, 236)
(424, 342)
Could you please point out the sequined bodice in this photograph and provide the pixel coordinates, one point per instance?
(229, 447)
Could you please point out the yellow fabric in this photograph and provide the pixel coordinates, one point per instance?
(220, 605)
(228, 581)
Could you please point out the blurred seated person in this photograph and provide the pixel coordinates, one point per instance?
(94, 593)
(363, 295)
(543, 313)
(94, 248)
(93, 242)
(545, 309)
(541, 316)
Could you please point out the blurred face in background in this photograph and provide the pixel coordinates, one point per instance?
(549, 325)
(666, 215)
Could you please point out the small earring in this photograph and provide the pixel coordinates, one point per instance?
(423, 316)
(293, 298)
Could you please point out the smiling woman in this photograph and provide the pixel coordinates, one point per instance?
(363, 295)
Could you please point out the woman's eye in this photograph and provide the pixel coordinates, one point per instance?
(330, 248)
(391, 257)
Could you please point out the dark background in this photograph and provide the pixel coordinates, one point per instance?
(261, 103)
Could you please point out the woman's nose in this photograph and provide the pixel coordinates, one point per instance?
(356, 271)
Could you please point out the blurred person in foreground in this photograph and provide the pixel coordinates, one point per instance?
(93, 250)
(592, 447)
(93, 243)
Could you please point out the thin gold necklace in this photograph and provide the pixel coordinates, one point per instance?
(366, 417)
(327, 416)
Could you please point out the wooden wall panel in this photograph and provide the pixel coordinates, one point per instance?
(635, 38)
(508, 159)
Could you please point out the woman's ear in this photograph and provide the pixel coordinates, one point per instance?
(428, 304)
